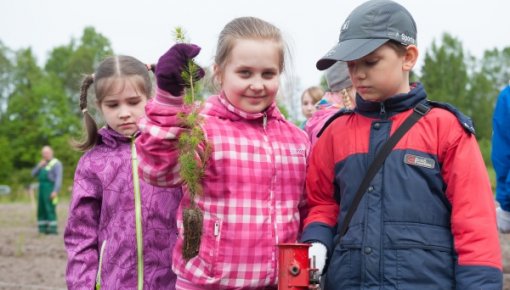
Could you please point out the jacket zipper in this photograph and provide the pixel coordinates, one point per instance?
(98, 276)
(382, 112)
(271, 191)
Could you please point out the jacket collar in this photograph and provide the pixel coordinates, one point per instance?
(396, 104)
(112, 138)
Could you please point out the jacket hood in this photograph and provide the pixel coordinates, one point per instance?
(393, 105)
(219, 106)
(112, 138)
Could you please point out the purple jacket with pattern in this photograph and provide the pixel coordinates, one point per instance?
(101, 222)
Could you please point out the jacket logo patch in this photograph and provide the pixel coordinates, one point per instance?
(419, 161)
(297, 152)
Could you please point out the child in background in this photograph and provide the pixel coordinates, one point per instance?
(100, 234)
(427, 219)
(253, 186)
(309, 98)
(340, 96)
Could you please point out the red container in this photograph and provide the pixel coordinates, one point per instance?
(294, 266)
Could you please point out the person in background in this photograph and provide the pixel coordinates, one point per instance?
(501, 158)
(100, 234)
(427, 219)
(253, 184)
(340, 96)
(49, 173)
(309, 98)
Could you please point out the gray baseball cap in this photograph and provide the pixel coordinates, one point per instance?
(369, 26)
(337, 77)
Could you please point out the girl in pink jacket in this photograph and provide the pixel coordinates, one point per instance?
(254, 179)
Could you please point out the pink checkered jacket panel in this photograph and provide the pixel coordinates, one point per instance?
(253, 189)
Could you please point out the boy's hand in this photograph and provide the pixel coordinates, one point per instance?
(503, 219)
(318, 252)
(171, 64)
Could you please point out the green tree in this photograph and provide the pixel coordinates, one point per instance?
(444, 73)
(495, 65)
(70, 62)
(20, 122)
(5, 76)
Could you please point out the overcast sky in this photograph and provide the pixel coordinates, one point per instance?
(144, 28)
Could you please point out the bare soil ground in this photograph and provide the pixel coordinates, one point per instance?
(31, 261)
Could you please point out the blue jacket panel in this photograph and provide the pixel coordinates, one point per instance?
(501, 148)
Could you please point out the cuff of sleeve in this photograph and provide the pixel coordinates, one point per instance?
(165, 98)
(319, 232)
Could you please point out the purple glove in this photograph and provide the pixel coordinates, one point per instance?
(171, 64)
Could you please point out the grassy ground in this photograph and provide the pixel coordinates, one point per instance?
(31, 261)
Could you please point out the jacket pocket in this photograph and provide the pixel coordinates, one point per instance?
(345, 267)
(419, 256)
(99, 268)
(209, 246)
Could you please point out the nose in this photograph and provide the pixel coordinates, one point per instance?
(257, 84)
(124, 112)
(356, 71)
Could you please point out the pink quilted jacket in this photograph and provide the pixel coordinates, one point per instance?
(253, 189)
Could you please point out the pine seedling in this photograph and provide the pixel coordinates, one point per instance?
(192, 159)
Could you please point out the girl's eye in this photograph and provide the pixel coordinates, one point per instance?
(244, 73)
(111, 105)
(268, 75)
(134, 103)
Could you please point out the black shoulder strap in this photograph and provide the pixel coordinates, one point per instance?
(419, 111)
(338, 114)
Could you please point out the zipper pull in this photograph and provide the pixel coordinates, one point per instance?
(216, 228)
(383, 111)
(264, 121)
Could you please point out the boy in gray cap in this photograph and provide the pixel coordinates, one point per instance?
(427, 218)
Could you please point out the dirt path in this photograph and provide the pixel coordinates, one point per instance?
(29, 261)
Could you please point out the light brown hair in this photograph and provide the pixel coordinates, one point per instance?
(247, 28)
(110, 71)
(315, 93)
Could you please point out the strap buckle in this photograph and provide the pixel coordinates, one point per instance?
(421, 109)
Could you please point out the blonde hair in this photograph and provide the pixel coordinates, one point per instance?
(315, 93)
(106, 77)
(247, 28)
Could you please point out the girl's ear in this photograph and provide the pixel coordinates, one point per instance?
(217, 73)
(410, 57)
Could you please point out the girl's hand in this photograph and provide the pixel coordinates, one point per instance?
(171, 64)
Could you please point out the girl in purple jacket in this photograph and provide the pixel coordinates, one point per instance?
(100, 235)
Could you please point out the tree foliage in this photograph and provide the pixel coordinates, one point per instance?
(451, 75)
(39, 105)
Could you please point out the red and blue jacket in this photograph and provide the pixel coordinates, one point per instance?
(427, 220)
